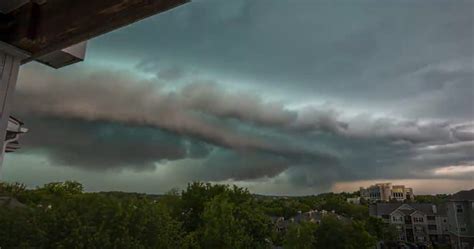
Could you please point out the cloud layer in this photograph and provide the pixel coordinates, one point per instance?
(108, 120)
(283, 96)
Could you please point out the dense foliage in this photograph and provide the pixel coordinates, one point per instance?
(361, 231)
(436, 199)
(62, 215)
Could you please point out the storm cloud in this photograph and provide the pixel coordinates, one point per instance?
(106, 120)
(296, 96)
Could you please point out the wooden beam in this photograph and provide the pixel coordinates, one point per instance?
(41, 27)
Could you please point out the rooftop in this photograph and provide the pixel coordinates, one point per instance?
(465, 195)
(388, 208)
(10, 202)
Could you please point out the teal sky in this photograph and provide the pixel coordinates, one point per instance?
(282, 97)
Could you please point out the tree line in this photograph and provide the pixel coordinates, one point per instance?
(203, 215)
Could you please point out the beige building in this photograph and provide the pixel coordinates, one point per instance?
(386, 192)
(400, 193)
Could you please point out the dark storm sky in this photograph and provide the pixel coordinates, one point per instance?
(283, 97)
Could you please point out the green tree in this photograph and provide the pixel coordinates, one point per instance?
(221, 228)
(358, 237)
(12, 189)
(300, 236)
(62, 188)
(194, 199)
(19, 228)
(337, 234)
(436, 199)
(89, 220)
(381, 230)
(233, 220)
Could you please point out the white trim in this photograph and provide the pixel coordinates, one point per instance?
(9, 66)
(397, 211)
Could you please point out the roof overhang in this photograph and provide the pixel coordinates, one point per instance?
(7, 6)
(46, 30)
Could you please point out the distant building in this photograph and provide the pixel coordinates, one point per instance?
(415, 222)
(400, 193)
(377, 192)
(461, 219)
(386, 192)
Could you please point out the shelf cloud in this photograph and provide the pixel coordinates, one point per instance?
(287, 97)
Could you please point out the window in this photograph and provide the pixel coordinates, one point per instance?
(459, 208)
(385, 216)
(397, 195)
(397, 218)
(418, 219)
(430, 217)
(432, 227)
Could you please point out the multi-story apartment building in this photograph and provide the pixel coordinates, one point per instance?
(461, 219)
(415, 222)
(401, 193)
(386, 192)
(377, 192)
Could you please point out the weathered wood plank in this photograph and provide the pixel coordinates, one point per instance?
(41, 28)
